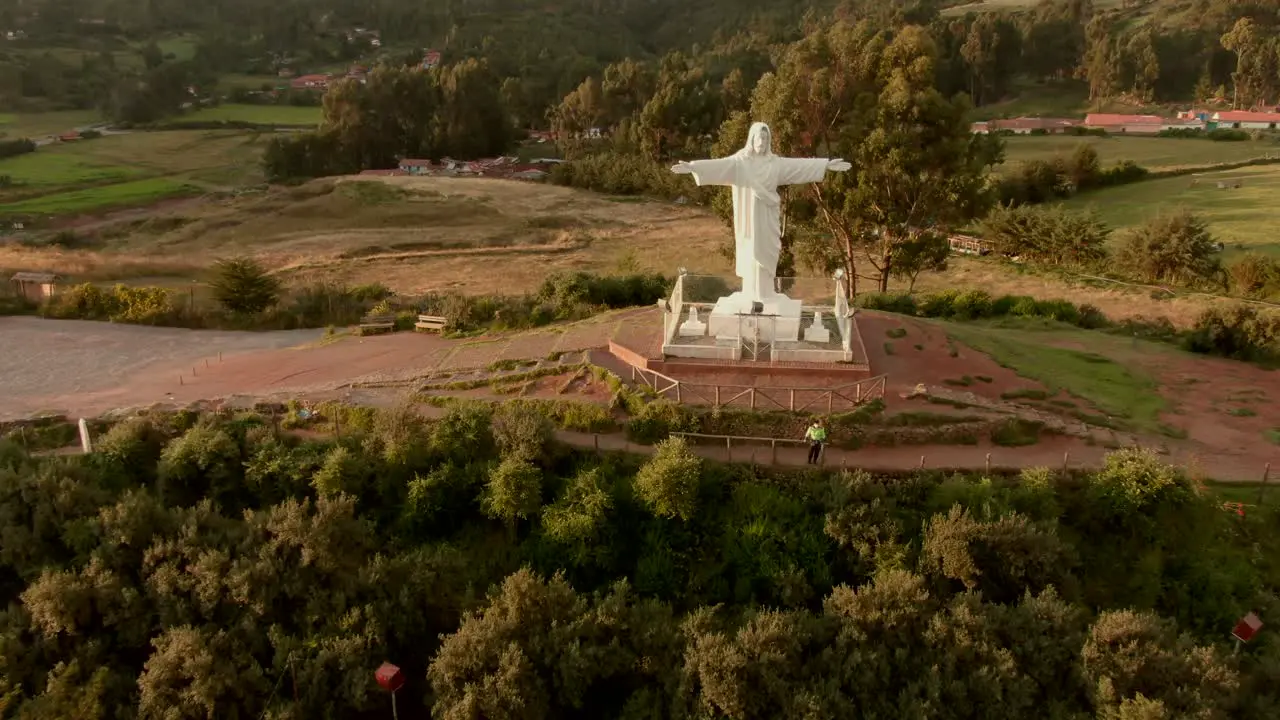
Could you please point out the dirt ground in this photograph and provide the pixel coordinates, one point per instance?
(86, 369)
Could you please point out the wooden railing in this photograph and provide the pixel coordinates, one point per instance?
(791, 399)
(729, 440)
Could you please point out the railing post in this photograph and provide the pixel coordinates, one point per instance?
(753, 398)
(728, 448)
(717, 396)
(677, 391)
(1262, 489)
(830, 399)
(793, 400)
(774, 456)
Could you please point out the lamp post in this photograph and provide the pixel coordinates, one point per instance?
(390, 679)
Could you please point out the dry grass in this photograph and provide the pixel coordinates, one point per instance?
(410, 234)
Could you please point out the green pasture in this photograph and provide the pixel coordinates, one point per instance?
(1044, 352)
(130, 169)
(1243, 218)
(136, 192)
(1153, 153)
(38, 125)
(62, 165)
(261, 114)
(137, 154)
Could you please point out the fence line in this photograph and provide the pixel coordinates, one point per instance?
(722, 395)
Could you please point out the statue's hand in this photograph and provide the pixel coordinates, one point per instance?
(682, 168)
(838, 165)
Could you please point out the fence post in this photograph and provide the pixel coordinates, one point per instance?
(1066, 460)
(793, 400)
(1266, 474)
(677, 391)
(988, 463)
(753, 398)
(717, 396)
(596, 441)
(921, 461)
(728, 448)
(85, 443)
(774, 448)
(830, 399)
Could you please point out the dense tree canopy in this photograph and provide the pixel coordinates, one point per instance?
(221, 566)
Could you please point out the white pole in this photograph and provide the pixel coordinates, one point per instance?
(85, 443)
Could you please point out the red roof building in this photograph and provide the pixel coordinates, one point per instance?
(1243, 119)
(310, 82)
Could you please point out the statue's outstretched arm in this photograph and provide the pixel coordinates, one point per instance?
(721, 171)
(798, 171)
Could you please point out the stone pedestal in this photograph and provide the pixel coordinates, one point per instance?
(693, 327)
(778, 322)
(816, 333)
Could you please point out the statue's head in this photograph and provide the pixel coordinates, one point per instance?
(759, 140)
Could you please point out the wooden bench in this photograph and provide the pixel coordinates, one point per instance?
(430, 323)
(377, 323)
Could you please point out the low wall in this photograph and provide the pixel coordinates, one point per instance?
(629, 356)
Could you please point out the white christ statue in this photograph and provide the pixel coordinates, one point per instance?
(755, 174)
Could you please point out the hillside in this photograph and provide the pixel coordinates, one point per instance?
(413, 235)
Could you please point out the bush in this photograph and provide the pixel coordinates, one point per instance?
(137, 305)
(1238, 331)
(668, 483)
(1174, 248)
(243, 287)
(657, 420)
(12, 148)
(1254, 275)
(1047, 236)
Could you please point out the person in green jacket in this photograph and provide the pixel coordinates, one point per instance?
(817, 437)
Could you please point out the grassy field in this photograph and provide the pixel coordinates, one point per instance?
(128, 169)
(261, 114)
(1243, 218)
(135, 192)
(36, 125)
(1152, 153)
(1039, 351)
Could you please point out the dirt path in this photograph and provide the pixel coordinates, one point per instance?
(86, 369)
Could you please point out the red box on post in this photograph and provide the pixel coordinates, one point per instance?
(1247, 628)
(389, 677)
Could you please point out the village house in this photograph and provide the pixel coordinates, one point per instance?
(431, 59)
(1138, 124)
(416, 166)
(1246, 120)
(1025, 126)
(310, 82)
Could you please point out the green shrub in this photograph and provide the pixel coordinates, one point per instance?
(242, 286)
(658, 419)
(1237, 331)
(1016, 432)
(668, 483)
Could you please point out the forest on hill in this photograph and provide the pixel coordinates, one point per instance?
(93, 53)
(227, 566)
